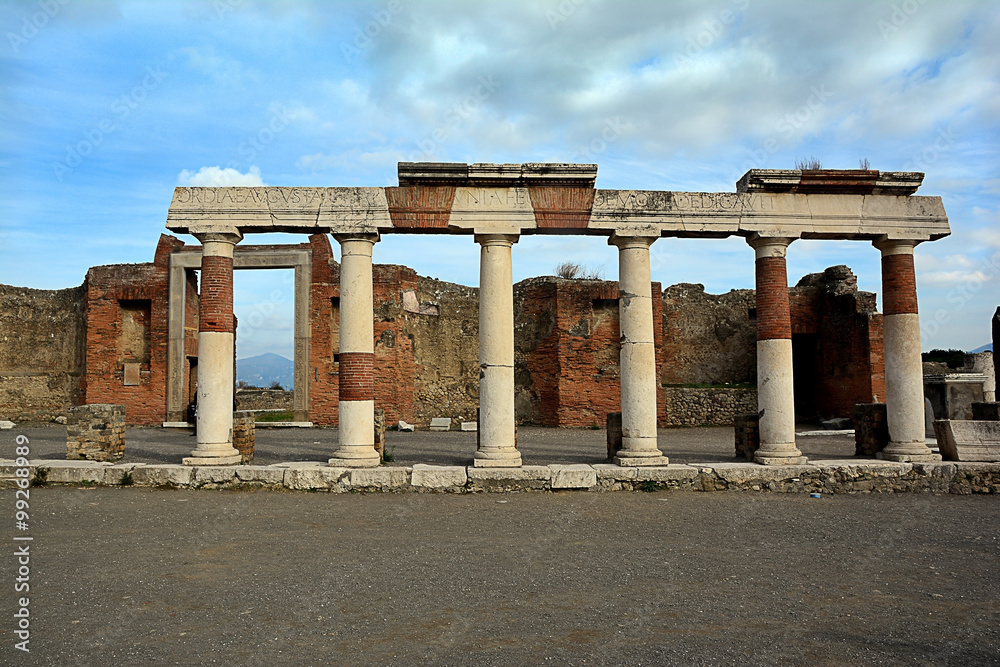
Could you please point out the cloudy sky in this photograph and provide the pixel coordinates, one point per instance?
(107, 106)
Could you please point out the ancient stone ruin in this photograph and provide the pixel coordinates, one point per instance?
(546, 351)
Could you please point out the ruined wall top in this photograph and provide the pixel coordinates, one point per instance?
(534, 198)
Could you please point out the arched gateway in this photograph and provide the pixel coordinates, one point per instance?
(497, 203)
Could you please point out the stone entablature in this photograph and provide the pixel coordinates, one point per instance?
(565, 201)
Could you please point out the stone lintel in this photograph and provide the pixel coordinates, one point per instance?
(831, 181)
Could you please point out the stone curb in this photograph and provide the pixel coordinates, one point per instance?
(833, 476)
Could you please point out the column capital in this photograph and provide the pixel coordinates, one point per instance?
(769, 246)
(370, 238)
(889, 246)
(232, 236)
(631, 241)
(497, 239)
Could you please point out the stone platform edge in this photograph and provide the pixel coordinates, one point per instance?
(834, 476)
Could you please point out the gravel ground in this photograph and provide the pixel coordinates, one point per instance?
(145, 576)
(537, 445)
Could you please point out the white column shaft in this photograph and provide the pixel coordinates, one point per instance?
(496, 353)
(638, 354)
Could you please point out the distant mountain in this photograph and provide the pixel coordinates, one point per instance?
(262, 370)
(984, 348)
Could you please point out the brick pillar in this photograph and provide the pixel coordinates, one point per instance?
(638, 354)
(775, 387)
(356, 431)
(904, 380)
(216, 347)
(497, 446)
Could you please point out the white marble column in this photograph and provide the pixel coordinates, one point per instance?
(638, 354)
(904, 379)
(496, 353)
(356, 430)
(215, 352)
(775, 382)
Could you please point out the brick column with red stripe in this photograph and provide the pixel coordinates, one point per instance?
(216, 347)
(904, 381)
(775, 384)
(356, 432)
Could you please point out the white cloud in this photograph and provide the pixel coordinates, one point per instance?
(217, 177)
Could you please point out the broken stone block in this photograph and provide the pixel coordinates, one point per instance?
(404, 426)
(573, 476)
(438, 477)
(6, 425)
(60, 420)
(441, 424)
(469, 426)
(967, 440)
(837, 424)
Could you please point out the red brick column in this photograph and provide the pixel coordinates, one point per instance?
(904, 382)
(356, 429)
(216, 347)
(775, 385)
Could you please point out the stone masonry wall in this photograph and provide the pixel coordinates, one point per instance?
(710, 406)
(708, 338)
(443, 334)
(42, 351)
(264, 399)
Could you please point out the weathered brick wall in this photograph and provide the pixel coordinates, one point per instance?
(127, 324)
(42, 352)
(567, 350)
(395, 366)
(324, 293)
(847, 367)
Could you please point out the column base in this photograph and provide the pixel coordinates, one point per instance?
(355, 460)
(627, 460)
(908, 458)
(780, 460)
(908, 452)
(497, 460)
(228, 460)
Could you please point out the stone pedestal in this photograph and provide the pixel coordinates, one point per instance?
(746, 436)
(95, 432)
(904, 381)
(216, 349)
(244, 434)
(775, 384)
(613, 433)
(638, 354)
(356, 432)
(496, 353)
(871, 433)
